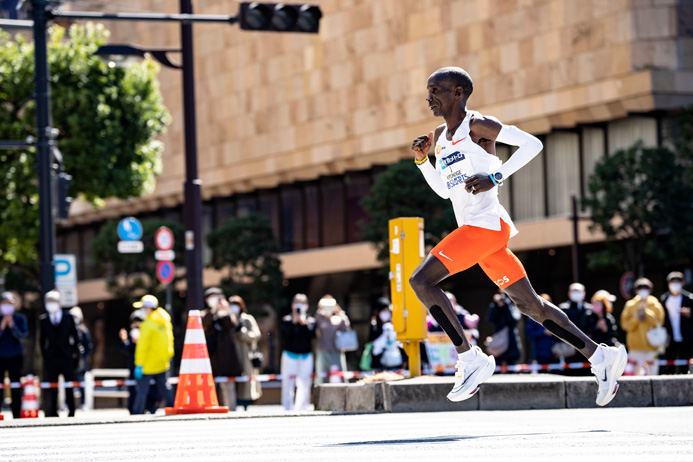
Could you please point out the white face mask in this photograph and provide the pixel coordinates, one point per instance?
(644, 293)
(135, 334)
(6, 309)
(213, 302)
(301, 308)
(235, 309)
(576, 296)
(52, 307)
(675, 288)
(385, 316)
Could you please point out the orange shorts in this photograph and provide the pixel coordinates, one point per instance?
(469, 245)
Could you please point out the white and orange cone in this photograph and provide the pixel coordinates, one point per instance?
(30, 405)
(195, 393)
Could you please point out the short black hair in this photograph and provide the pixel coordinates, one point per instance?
(459, 77)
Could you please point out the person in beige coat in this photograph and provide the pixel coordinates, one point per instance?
(246, 336)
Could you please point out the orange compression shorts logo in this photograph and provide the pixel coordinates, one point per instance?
(469, 245)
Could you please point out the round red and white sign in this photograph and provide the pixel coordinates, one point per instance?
(163, 239)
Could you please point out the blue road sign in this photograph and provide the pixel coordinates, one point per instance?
(165, 271)
(130, 229)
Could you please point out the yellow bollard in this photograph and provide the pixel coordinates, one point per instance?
(408, 314)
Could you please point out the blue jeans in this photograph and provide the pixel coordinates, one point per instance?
(142, 389)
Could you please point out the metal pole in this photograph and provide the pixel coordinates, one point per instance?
(192, 208)
(43, 148)
(576, 242)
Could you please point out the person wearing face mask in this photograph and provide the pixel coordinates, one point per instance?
(579, 313)
(382, 316)
(330, 319)
(219, 326)
(246, 335)
(153, 353)
(297, 332)
(127, 345)
(59, 342)
(678, 321)
(13, 328)
(604, 322)
(642, 313)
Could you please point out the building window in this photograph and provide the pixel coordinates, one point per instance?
(332, 207)
(292, 219)
(225, 210)
(90, 266)
(528, 190)
(246, 206)
(357, 187)
(268, 205)
(624, 133)
(312, 213)
(562, 151)
(593, 149)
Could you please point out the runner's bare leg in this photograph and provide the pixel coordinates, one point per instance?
(549, 316)
(425, 281)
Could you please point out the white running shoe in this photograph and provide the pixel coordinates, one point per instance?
(470, 375)
(608, 372)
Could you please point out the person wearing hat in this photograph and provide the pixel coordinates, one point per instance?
(642, 313)
(153, 352)
(604, 322)
(59, 342)
(128, 344)
(13, 328)
(678, 304)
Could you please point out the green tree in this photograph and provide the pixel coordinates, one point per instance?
(108, 119)
(640, 198)
(401, 191)
(245, 250)
(129, 274)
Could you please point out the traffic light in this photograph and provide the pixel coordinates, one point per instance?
(280, 17)
(61, 198)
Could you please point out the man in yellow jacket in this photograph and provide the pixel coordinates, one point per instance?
(641, 314)
(153, 353)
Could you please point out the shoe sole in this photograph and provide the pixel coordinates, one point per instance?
(616, 371)
(482, 377)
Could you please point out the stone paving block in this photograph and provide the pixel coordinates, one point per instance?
(672, 390)
(424, 394)
(331, 397)
(523, 392)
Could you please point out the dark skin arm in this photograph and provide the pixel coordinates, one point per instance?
(484, 131)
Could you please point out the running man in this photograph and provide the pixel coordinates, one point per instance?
(468, 173)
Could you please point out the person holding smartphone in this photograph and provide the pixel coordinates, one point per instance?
(298, 332)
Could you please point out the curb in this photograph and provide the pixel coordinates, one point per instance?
(507, 392)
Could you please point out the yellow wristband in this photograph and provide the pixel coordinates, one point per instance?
(419, 162)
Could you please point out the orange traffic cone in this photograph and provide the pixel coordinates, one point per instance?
(30, 405)
(195, 393)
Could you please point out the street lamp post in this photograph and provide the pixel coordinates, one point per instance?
(192, 207)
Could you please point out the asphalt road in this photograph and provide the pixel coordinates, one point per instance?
(628, 434)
